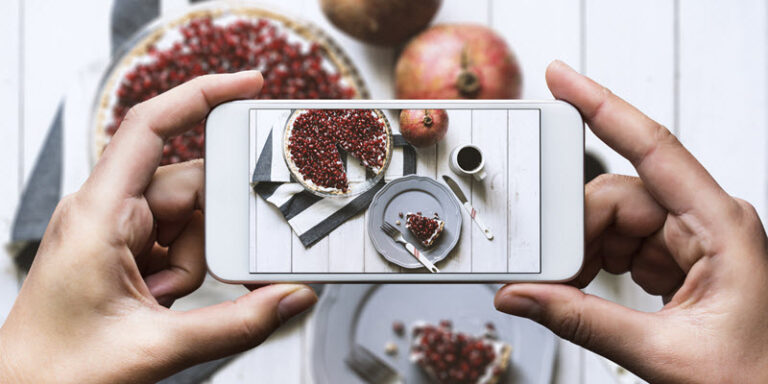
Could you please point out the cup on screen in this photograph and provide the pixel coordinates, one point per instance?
(468, 159)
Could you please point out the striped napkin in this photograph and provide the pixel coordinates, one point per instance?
(312, 217)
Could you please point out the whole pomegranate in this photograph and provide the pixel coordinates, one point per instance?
(457, 61)
(423, 127)
(381, 22)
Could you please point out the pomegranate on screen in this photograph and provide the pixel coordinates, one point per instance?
(457, 61)
(423, 127)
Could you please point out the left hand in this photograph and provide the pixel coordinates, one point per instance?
(119, 251)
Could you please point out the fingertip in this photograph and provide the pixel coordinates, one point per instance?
(295, 303)
(558, 72)
(513, 299)
(255, 79)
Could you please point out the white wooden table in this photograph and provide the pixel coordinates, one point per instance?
(700, 67)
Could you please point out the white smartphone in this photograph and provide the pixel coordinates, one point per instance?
(331, 191)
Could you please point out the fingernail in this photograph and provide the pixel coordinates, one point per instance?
(563, 65)
(295, 303)
(518, 305)
(252, 72)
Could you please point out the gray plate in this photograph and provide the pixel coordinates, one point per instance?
(363, 314)
(413, 194)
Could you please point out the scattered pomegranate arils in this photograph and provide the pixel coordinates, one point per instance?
(290, 71)
(425, 229)
(457, 358)
(398, 327)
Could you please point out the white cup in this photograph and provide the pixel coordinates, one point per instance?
(472, 157)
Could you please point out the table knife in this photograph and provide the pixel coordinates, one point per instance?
(472, 212)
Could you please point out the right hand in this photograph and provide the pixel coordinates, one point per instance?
(681, 236)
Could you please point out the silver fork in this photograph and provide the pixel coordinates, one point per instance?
(370, 368)
(392, 232)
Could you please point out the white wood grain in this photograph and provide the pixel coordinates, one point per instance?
(311, 259)
(523, 232)
(539, 31)
(568, 366)
(9, 145)
(489, 196)
(630, 49)
(723, 94)
(52, 60)
(273, 235)
(459, 132)
(462, 11)
(280, 359)
(173, 7)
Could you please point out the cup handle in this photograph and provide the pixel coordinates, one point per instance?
(479, 176)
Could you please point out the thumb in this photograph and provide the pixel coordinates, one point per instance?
(235, 326)
(607, 328)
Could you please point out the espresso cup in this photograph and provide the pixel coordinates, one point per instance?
(468, 159)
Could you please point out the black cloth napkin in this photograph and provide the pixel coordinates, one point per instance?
(310, 216)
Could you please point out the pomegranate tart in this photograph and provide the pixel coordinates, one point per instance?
(425, 229)
(316, 140)
(297, 60)
(450, 357)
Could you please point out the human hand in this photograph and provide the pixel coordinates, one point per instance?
(121, 249)
(681, 236)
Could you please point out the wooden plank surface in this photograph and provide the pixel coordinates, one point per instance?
(10, 131)
(273, 242)
(636, 63)
(724, 93)
(459, 133)
(539, 31)
(490, 195)
(73, 46)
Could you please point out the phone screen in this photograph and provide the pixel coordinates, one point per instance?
(325, 181)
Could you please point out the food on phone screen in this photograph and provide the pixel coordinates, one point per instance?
(315, 136)
(423, 127)
(426, 229)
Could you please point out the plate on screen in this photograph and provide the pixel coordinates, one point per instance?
(413, 194)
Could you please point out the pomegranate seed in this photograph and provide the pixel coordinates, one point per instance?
(209, 48)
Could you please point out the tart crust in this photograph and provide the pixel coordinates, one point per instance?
(309, 184)
(103, 102)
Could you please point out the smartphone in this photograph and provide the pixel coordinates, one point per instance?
(333, 191)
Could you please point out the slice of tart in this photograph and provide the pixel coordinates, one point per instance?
(425, 229)
(314, 138)
(458, 358)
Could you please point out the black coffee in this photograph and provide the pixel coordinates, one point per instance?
(469, 158)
